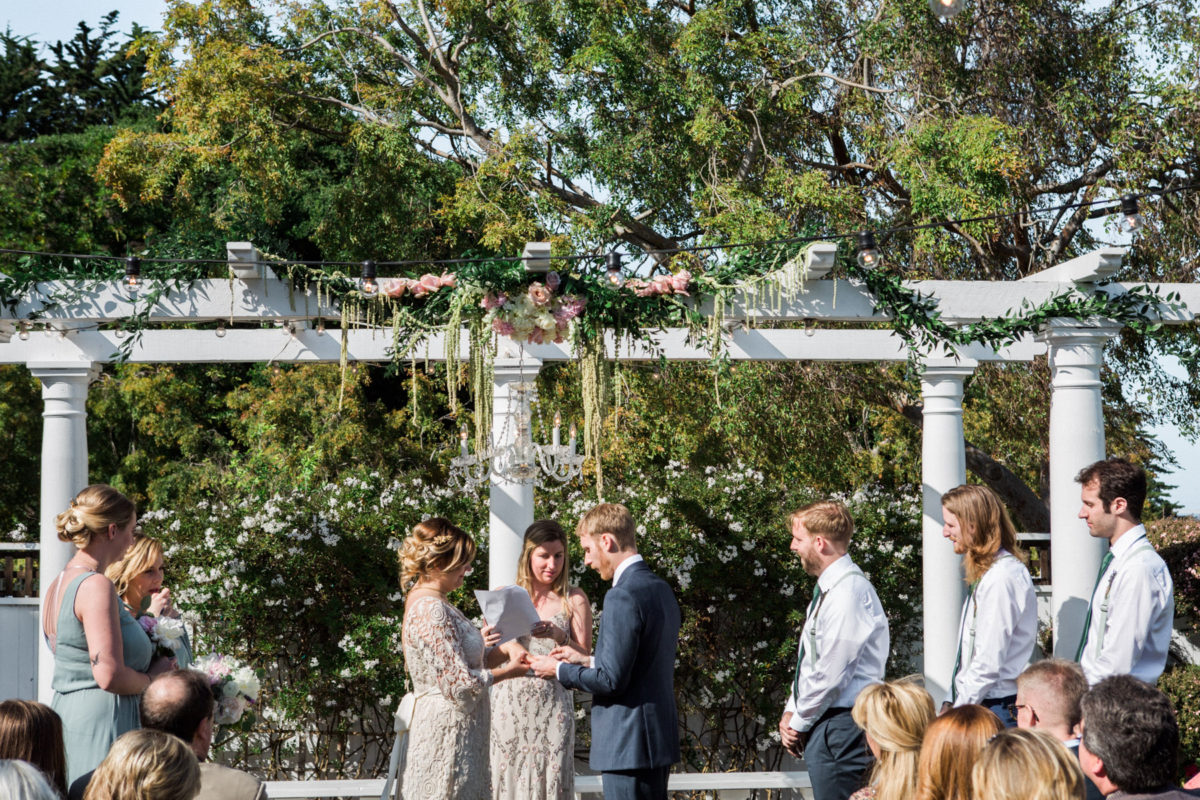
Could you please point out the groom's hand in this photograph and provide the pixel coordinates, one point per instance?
(571, 656)
(543, 666)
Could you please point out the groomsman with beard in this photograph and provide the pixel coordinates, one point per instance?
(843, 648)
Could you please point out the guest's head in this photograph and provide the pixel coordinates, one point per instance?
(544, 557)
(23, 781)
(608, 537)
(1130, 736)
(1027, 764)
(435, 549)
(894, 717)
(99, 516)
(146, 765)
(1048, 695)
(32, 732)
(180, 703)
(140, 573)
(821, 534)
(952, 743)
(1114, 492)
(975, 522)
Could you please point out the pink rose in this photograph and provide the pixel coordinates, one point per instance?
(572, 306)
(661, 284)
(536, 336)
(431, 283)
(503, 327)
(493, 301)
(680, 280)
(393, 287)
(448, 279)
(553, 281)
(539, 294)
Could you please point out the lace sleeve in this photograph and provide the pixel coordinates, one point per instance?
(435, 626)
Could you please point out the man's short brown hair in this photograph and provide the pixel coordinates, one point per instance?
(611, 518)
(825, 518)
(1064, 685)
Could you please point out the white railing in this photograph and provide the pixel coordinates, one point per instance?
(725, 784)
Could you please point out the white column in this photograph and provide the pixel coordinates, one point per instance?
(943, 466)
(510, 504)
(1076, 352)
(64, 474)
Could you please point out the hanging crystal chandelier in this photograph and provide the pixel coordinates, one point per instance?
(519, 459)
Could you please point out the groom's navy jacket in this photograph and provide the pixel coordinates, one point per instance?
(634, 723)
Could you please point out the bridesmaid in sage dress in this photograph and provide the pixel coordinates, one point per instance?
(447, 756)
(138, 578)
(102, 658)
(533, 720)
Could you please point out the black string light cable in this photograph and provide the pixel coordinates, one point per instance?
(1127, 205)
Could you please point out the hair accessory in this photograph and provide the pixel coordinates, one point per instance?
(441, 539)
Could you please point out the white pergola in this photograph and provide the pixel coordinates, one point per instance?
(69, 352)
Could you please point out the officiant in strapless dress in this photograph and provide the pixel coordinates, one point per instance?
(450, 668)
(533, 720)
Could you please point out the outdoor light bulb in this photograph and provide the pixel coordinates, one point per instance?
(1132, 219)
(24, 334)
(369, 285)
(612, 262)
(133, 273)
(946, 8)
(221, 329)
(868, 254)
(321, 327)
(810, 326)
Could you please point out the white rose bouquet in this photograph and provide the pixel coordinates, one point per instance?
(165, 633)
(235, 688)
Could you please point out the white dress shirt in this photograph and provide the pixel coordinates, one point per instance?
(1132, 638)
(996, 632)
(845, 641)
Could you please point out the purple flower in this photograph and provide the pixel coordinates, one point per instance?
(571, 306)
(493, 301)
(148, 623)
(553, 281)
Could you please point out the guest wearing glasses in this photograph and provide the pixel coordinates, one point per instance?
(1048, 695)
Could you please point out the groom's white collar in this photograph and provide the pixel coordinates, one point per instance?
(620, 570)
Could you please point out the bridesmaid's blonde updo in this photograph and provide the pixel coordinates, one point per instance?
(91, 512)
(434, 545)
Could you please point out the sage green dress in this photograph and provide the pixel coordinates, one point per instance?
(92, 718)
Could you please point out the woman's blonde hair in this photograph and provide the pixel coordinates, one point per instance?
(434, 545)
(1029, 764)
(952, 743)
(986, 527)
(91, 512)
(138, 558)
(146, 764)
(895, 715)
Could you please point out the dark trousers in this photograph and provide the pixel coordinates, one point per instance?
(836, 756)
(1000, 707)
(636, 784)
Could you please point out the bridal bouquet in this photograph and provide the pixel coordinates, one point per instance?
(165, 633)
(235, 687)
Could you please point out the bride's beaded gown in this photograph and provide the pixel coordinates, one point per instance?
(448, 741)
(533, 733)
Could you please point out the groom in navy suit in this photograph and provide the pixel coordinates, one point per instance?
(635, 728)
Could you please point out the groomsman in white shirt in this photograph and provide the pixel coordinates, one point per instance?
(843, 648)
(1128, 626)
(998, 625)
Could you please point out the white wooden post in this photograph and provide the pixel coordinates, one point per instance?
(510, 505)
(64, 473)
(943, 466)
(1076, 352)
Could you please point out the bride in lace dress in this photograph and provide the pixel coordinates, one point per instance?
(449, 668)
(533, 720)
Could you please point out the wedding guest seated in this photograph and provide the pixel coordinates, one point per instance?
(1048, 695)
(138, 578)
(894, 717)
(1027, 764)
(32, 732)
(20, 780)
(1129, 743)
(146, 765)
(952, 743)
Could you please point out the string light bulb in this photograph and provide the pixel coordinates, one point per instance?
(612, 262)
(23, 334)
(133, 273)
(945, 9)
(1132, 219)
(369, 284)
(221, 329)
(868, 253)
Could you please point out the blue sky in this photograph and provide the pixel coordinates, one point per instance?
(52, 20)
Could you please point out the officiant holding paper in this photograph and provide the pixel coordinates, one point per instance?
(533, 721)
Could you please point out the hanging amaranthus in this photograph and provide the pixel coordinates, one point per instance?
(593, 377)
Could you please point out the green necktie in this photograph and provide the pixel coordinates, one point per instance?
(1087, 621)
(813, 606)
(958, 655)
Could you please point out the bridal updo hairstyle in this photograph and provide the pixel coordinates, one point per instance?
(434, 545)
(91, 512)
(139, 558)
